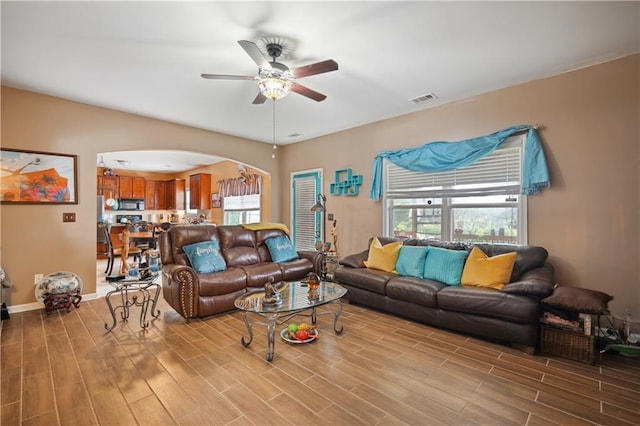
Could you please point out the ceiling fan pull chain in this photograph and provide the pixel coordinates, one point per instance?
(273, 153)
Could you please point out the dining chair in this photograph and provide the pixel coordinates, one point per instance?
(112, 253)
(143, 226)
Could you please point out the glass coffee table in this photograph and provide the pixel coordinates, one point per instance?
(134, 292)
(296, 298)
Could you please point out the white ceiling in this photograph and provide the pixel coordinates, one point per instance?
(146, 57)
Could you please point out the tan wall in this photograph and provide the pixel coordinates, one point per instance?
(33, 238)
(587, 220)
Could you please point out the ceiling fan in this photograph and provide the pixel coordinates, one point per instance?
(275, 79)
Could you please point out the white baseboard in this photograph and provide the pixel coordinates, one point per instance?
(34, 306)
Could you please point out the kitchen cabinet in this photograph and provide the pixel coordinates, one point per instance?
(175, 194)
(132, 187)
(200, 191)
(151, 198)
(109, 187)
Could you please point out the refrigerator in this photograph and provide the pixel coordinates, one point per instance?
(100, 208)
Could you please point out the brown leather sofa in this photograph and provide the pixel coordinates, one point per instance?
(249, 266)
(509, 316)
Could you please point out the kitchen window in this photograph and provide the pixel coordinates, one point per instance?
(241, 209)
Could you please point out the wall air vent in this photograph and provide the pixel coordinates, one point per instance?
(424, 98)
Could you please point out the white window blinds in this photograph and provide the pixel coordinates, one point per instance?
(305, 220)
(497, 173)
(242, 202)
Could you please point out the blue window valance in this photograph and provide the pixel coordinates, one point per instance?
(444, 156)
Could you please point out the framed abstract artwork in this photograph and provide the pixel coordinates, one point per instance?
(34, 177)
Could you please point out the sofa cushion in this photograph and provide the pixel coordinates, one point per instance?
(281, 249)
(296, 269)
(223, 282)
(411, 260)
(444, 265)
(579, 300)
(179, 236)
(383, 257)
(527, 257)
(258, 274)
(372, 280)
(481, 270)
(205, 257)
(238, 245)
(355, 260)
(488, 302)
(415, 290)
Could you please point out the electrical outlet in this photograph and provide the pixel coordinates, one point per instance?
(68, 217)
(37, 278)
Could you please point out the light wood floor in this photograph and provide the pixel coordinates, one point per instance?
(66, 369)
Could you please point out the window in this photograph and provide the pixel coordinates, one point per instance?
(188, 208)
(307, 225)
(477, 203)
(241, 209)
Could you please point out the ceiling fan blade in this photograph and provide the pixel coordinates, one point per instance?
(313, 69)
(227, 77)
(252, 50)
(305, 91)
(259, 99)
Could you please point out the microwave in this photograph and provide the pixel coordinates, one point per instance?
(130, 204)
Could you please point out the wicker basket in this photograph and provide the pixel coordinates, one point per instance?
(567, 344)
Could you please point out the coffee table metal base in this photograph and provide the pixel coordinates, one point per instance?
(276, 318)
(134, 294)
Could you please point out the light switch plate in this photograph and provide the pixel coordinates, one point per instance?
(68, 217)
(330, 216)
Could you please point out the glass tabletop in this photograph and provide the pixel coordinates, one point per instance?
(137, 281)
(295, 296)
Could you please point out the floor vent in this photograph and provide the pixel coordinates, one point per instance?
(424, 98)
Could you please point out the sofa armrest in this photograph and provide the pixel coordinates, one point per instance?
(355, 260)
(537, 282)
(180, 289)
(315, 257)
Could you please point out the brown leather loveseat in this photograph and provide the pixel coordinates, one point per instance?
(510, 315)
(248, 266)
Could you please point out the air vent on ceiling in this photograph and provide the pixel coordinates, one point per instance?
(424, 98)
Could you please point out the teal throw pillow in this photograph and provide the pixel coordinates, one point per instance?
(411, 260)
(281, 249)
(445, 265)
(205, 257)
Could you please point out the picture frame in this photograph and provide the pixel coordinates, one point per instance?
(215, 200)
(38, 177)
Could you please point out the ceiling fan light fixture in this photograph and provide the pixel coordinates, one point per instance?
(274, 88)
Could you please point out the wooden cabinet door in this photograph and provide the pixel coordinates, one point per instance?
(175, 194)
(138, 188)
(150, 197)
(126, 187)
(161, 195)
(108, 186)
(200, 191)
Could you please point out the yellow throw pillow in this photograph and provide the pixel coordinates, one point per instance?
(382, 257)
(481, 270)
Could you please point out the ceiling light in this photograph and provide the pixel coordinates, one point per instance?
(274, 88)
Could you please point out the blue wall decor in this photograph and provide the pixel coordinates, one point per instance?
(346, 183)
